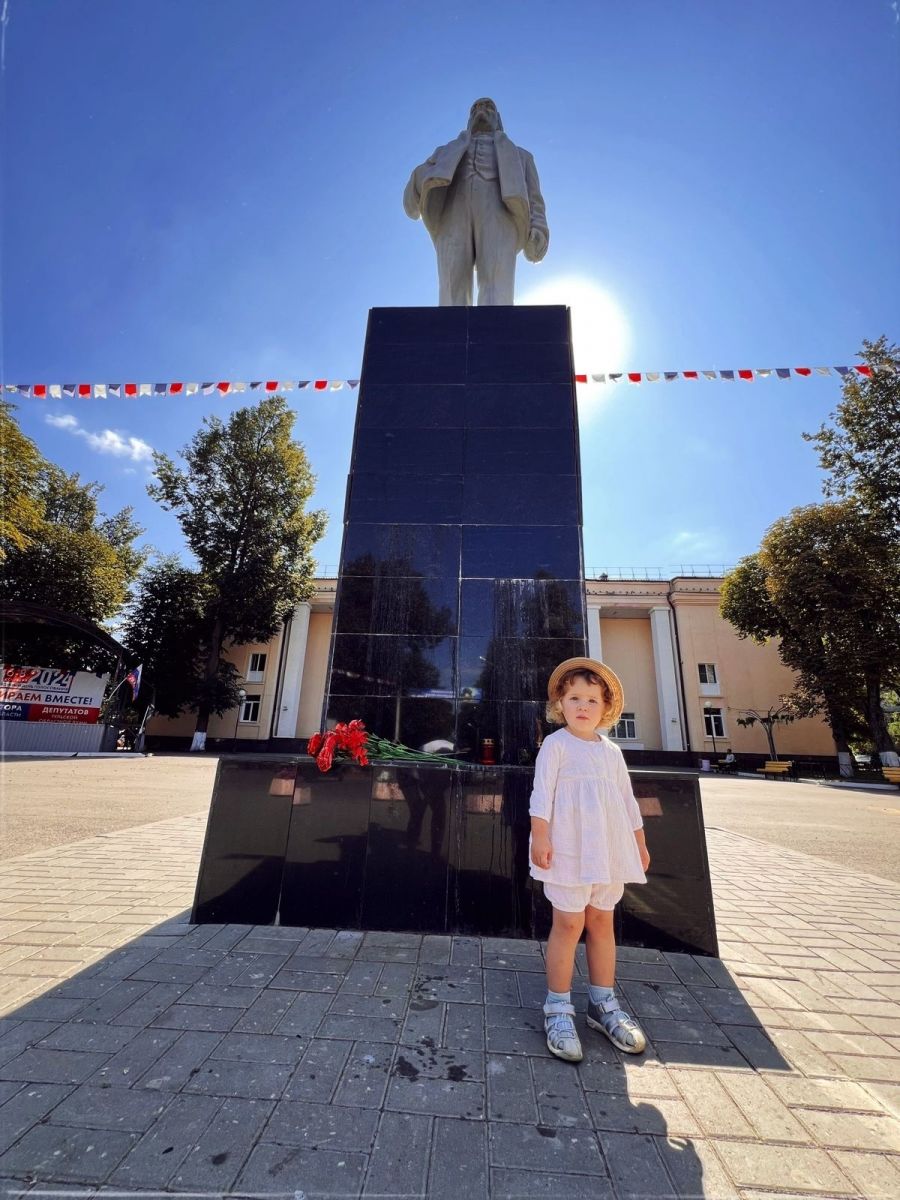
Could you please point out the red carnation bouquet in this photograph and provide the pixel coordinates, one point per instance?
(351, 742)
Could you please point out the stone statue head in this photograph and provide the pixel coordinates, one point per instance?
(483, 116)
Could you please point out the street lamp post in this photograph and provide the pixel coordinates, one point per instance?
(242, 696)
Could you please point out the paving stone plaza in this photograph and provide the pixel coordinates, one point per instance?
(139, 1053)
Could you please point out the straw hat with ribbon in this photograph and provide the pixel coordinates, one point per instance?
(610, 678)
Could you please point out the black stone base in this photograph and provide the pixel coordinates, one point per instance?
(428, 849)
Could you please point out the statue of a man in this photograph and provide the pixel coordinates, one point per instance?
(480, 199)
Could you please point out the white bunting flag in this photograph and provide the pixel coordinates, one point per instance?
(100, 391)
(191, 389)
(55, 391)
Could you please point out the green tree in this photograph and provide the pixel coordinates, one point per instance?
(21, 467)
(59, 550)
(860, 450)
(826, 583)
(163, 628)
(241, 504)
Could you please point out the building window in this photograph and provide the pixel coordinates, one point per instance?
(626, 729)
(257, 668)
(250, 710)
(714, 722)
(709, 679)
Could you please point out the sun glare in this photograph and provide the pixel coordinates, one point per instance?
(599, 329)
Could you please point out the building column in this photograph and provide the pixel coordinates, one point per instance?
(297, 634)
(595, 648)
(666, 678)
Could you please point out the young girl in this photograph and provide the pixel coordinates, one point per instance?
(587, 842)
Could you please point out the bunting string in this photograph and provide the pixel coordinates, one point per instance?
(227, 387)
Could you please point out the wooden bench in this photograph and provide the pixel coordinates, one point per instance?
(778, 770)
(891, 774)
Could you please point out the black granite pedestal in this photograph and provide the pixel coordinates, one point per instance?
(430, 849)
(461, 581)
(461, 587)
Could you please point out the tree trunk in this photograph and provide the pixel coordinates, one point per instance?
(768, 726)
(846, 764)
(884, 743)
(198, 742)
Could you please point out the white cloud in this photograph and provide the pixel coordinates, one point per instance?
(107, 441)
(696, 542)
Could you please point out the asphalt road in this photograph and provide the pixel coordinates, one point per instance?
(51, 802)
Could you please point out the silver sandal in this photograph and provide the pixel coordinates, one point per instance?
(562, 1037)
(621, 1029)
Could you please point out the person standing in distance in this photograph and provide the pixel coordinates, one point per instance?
(480, 199)
(587, 842)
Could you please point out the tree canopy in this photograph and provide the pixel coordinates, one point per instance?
(241, 502)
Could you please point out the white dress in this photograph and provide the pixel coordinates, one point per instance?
(582, 789)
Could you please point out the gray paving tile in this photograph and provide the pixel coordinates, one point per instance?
(49, 1008)
(306, 981)
(345, 943)
(361, 978)
(28, 1106)
(571, 1151)
(695, 1169)
(168, 972)
(220, 995)
(466, 952)
(96, 1107)
(510, 1184)
(364, 1079)
(249, 1080)
(260, 1048)
(464, 1027)
(175, 1066)
(135, 1058)
(510, 1089)
(322, 1126)
(52, 1066)
(636, 1167)
(22, 1035)
(381, 1029)
(352, 1005)
(214, 1162)
(292, 1169)
(153, 1160)
(401, 1152)
(304, 1014)
(58, 1153)
(500, 987)
(264, 1014)
(151, 1005)
(435, 948)
(458, 1159)
(458, 985)
(196, 1017)
(112, 1002)
(441, 1097)
(319, 964)
(104, 1038)
(677, 1054)
(560, 1098)
(317, 1074)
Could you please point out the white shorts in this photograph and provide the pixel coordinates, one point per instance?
(583, 895)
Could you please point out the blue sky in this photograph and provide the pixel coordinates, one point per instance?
(211, 189)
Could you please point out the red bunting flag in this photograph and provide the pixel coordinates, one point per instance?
(864, 370)
(40, 389)
(130, 389)
(84, 389)
(803, 370)
(634, 376)
(691, 374)
(320, 385)
(175, 388)
(745, 374)
(272, 385)
(224, 387)
(581, 378)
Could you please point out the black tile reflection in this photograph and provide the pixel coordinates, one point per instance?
(397, 605)
(517, 362)
(405, 499)
(410, 451)
(521, 452)
(385, 665)
(515, 728)
(324, 872)
(429, 326)
(525, 608)
(429, 849)
(521, 552)
(246, 837)
(414, 406)
(512, 668)
(409, 822)
(520, 500)
(520, 406)
(415, 363)
(519, 323)
(415, 721)
(391, 549)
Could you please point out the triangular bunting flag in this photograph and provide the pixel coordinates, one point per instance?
(239, 387)
(863, 370)
(224, 387)
(10, 387)
(823, 370)
(842, 370)
(581, 378)
(691, 374)
(176, 389)
(272, 385)
(803, 371)
(303, 383)
(254, 387)
(160, 389)
(727, 375)
(145, 389)
(69, 389)
(615, 376)
(653, 376)
(24, 389)
(634, 377)
(40, 390)
(764, 372)
(130, 389)
(354, 383)
(670, 375)
(55, 391)
(207, 388)
(84, 389)
(192, 389)
(336, 385)
(709, 374)
(783, 372)
(745, 375)
(287, 385)
(599, 378)
(114, 389)
(320, 385)
(100, 391)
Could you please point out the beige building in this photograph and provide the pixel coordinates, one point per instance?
(686, 674)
